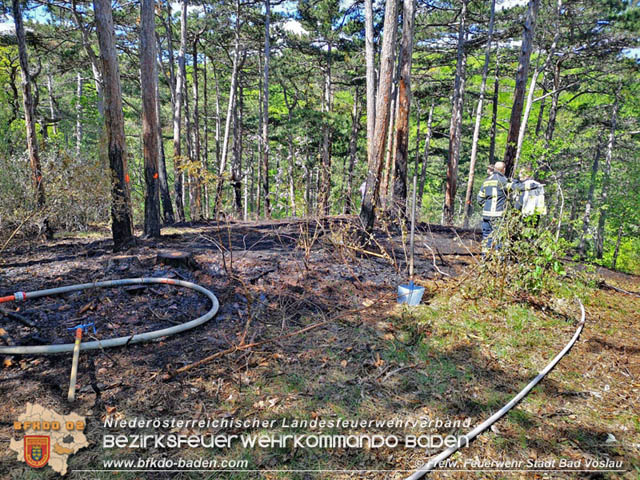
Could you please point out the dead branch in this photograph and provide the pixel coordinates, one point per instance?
(20, 318)
(246, 346)
(433, 255)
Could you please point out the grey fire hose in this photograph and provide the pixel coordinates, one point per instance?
(433, 463)
(112, 342)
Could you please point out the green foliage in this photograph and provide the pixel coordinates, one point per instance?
(76, 189)
(529, 259)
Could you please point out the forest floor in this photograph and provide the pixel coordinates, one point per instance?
(333, 343)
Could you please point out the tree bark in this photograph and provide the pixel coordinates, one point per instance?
(150, 131)
(218, 117)
(290, 153)
(177, 117)
(476, 128)
(372, 191)
(188, 157)
(165, 196)
(533, 83)
(205, 157)
(614, 260)
(494, 110)
(52, 105)
(121, 217)
(388, 155)
(553, 111)
(325, 186)
(78, 113)
(265, 112)
(455, 127)
(196, 180)
(425, 158)
(231, 105)
(404, 107)
(586, 219)
(172, 71)
(349, 205)
(521, 84)
(606, 178)
(370, 55)
(29, 114)
(236, 167)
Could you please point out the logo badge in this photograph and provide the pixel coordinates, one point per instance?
(36, 450)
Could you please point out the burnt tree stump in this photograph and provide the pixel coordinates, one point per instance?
(177, 259)
(124, 262)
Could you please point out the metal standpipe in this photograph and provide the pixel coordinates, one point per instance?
(111, 342)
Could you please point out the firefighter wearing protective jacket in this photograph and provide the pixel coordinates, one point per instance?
(530, 200)
(493, 197)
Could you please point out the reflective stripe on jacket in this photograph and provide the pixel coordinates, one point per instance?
(493, 195)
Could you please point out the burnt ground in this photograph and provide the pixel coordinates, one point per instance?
(273, 279)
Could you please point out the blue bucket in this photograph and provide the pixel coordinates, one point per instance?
(410, 294)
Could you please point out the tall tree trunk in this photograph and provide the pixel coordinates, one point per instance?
(251, 205)
(614, 260)
(425, 158)
(586, 219)
(542, 108)
(150, 129)
(325, 187)
(553, 112)
(606, 178)
(416, 160)
(290, 152)
(231, 105)
(476, 128)
(218, 116)
(388, 155)
(349, 205)
(78, 113)
(265, 112)
(260, 118)
(188, 176)
(205, 157)
(121, 217)
(96, 67)
(172, 71)
(236, 167)
(29, 114)
(52, 105)
(370, 55)
(404, 106)
(494, 110)
(533, 84)
(455, 127)
(165, 196)
(372, 192)
(196, 181)
(177, 117)
(521, 84)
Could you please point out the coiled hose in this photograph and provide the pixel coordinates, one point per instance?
(111, 342)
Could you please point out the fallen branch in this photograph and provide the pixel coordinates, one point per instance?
(617, 289)
(15, 232)
(25, 321)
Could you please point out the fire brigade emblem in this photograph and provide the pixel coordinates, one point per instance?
(36, 450)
